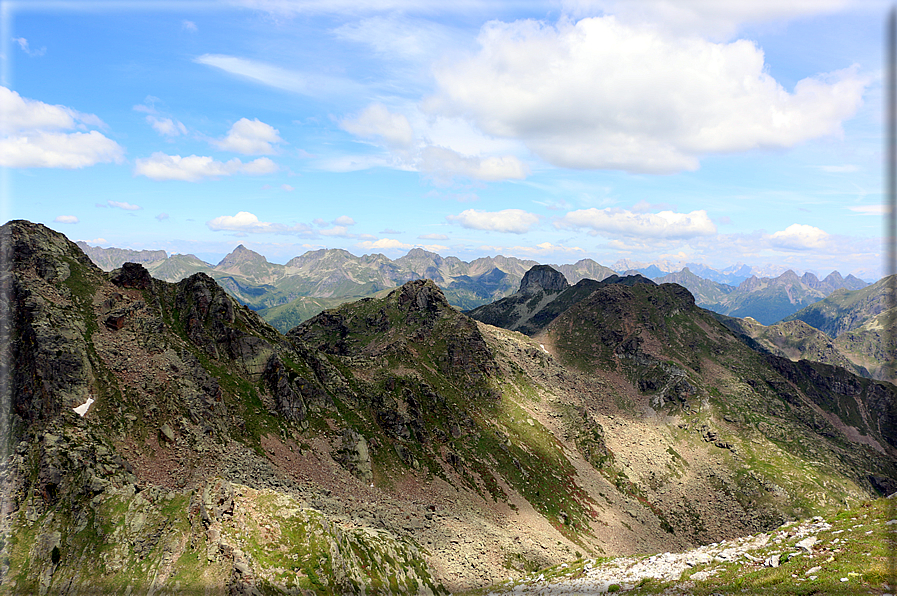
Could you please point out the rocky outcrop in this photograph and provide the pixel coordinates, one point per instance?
(132, 275)
(216, 324)
(543, 277)
(287, 395)
(354, 455)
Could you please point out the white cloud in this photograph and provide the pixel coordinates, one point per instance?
(602, 94)
(162, 216)
(713, 18)
(384, 243)
(166, 126)
(344, 220)
(431, 236)
(287, 187)
(799, 237)
(310, 84)
(250, 137)
(23, 43)
(246, 222)
(515, 221)
(399, 37)
(125, 206)
(621, 222)
(160, 166)
(66, 219)
(32, 136)
(189, 26)
(878, 210)
(58, 150)
(340, 231)
(445, 163)
(377, 121)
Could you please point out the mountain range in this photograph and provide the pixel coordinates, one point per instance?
(162, 437)
(286, 295)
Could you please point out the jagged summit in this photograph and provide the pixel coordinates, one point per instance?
(543, 277)
(240, 256)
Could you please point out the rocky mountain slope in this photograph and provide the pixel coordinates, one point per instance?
(846, 553)
(846, 310)
(861, 323)
(543, 295)
(392, 445)
(794, 340)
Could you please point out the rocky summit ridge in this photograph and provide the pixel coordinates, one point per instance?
(162, 438)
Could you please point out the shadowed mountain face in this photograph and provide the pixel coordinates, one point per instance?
(543, 295)
(391, 445)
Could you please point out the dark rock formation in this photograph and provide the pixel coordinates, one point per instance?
(132, 275)
(543, 277)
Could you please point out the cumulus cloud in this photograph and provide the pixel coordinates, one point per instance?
(340, 231)
(163, 125)
(33, 137)
(799, 237)
(515, 221)
(603, 94)
(167, 126)
(377, 121)
(193, 168)
(621, 222)
(718, 20)
(250, 137)
(344, 220)
(446, 163)
(394, 132)
(66, 219)
(431, 237)
(249, 223)
(162, 216)
(384, 244)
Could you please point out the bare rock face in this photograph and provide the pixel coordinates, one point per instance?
(422, 296)
(287, 397)
(355, 456)
(132, 275)
(543, 277)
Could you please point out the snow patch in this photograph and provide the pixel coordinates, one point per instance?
(82, 409)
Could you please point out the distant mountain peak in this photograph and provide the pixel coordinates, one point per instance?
(543, 277)
(241, 255)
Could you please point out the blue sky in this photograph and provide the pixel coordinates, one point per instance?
(686, 131)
